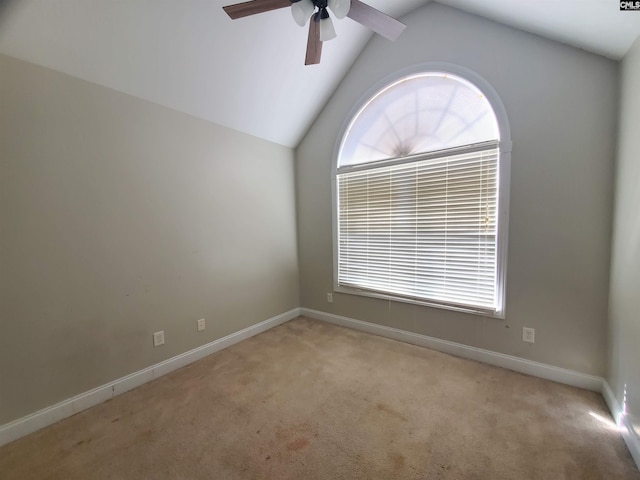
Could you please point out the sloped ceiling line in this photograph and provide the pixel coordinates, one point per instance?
(249, 74)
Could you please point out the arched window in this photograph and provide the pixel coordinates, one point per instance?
(420, 184)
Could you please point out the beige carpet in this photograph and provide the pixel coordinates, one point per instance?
(308, 400)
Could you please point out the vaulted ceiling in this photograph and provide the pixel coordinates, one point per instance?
(249, 74)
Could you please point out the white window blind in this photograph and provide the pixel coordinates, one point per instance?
(422, 228)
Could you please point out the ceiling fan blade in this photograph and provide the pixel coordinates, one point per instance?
(314, 45)
(254, 7)
(379, 22)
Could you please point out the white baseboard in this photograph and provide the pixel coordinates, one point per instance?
(630, 437)
(560, 375)
(50, 415)
(612, 402)
(536, 369)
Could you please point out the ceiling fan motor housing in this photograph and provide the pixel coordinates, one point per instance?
(321, 27)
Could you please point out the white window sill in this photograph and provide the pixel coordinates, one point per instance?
(425, 303)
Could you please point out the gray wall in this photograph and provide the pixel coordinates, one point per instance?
(624, 309)
(561, 104)
(119, 218)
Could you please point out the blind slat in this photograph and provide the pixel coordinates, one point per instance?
(424, 230)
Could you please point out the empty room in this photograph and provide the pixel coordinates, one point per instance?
(319, 239)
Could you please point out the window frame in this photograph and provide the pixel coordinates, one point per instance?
(504, 175)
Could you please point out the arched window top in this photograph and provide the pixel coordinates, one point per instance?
(419, 113)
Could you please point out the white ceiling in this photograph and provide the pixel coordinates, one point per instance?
(594, 25)
(249, 74)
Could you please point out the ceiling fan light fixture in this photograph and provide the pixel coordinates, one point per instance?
(321, 27)
(302, 10)
(327, 31)
(340, 8)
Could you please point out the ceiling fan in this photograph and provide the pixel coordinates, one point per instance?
(320, 25)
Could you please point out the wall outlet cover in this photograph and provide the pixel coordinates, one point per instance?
(158, 338)
(201, 325)
(528, 335)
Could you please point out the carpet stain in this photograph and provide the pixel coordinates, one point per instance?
(398, 461)
(492, 421)
(287, 434)
(298, 444)
(390, 411)
(64, 453)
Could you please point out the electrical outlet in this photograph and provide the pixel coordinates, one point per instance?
(528, 335)
(158, 338)
(201, 325)
(330, 297)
